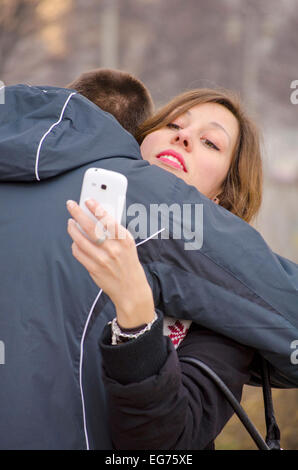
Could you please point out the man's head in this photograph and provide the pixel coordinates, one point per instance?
(118, 93)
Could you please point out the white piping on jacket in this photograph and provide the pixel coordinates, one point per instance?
(46, 133)
(81, 366)
(82, 349)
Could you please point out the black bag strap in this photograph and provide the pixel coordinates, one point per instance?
(252, 430)
(273, 432)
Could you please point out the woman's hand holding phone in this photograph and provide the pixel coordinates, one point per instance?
(113, 264)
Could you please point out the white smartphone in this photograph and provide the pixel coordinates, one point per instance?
(106, 187)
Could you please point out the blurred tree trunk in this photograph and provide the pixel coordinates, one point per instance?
(109, 34)
(17, 22)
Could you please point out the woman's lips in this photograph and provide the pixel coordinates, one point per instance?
(173, 159)
(170, 163)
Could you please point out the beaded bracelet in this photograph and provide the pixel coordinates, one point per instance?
(118, 334)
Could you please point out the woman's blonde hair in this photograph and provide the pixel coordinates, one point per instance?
(242, 189)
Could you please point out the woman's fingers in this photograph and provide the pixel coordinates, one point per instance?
(110, 262)
(105, 221)
(83, 258)
(86, 224)
(82, 242)
(115, 230)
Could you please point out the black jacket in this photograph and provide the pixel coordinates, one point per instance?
(157, 402)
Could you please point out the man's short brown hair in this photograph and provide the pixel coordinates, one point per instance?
(117, 92)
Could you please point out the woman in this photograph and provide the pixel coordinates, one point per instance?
(205, 138)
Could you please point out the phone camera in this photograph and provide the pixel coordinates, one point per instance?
(103, 186)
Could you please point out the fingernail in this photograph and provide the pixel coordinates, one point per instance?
(70, 203)
(90, 202)
(70, 221)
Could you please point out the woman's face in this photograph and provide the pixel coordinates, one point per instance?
(197, 146)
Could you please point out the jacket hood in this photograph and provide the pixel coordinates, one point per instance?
(47, 131)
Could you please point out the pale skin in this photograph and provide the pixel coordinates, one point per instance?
(205, 138)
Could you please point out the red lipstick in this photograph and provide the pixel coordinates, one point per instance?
(162, 156)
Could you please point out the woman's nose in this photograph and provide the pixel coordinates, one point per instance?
(182, 137)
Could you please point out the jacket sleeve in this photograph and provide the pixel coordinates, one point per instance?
(158, 402)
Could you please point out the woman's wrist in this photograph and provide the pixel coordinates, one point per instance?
(135, 315)
(136, 310)
(135, 359)
(121, 335)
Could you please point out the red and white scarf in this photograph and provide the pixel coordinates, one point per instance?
(175, 329)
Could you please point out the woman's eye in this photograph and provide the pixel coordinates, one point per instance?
(209, 144)
(172, 125)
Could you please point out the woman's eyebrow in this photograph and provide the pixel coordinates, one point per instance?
(219, 126)
(214, 124)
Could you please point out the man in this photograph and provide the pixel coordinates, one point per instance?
(119, 93)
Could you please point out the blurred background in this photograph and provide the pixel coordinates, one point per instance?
(248, 45)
